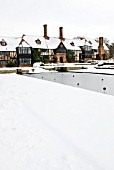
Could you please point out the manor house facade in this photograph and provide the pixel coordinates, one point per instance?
(56, 49)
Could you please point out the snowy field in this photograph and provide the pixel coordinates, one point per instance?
(50, 126)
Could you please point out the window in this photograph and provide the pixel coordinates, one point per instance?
(72, 43)
(38, 41)
(25, 60)
(87, 48)
(29, 50)
(24, 50)
(3, 42)
(3, 62)
(4, 53)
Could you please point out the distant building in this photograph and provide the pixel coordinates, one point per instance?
(20, 50)
(7, 51)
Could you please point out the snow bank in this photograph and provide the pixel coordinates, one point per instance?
(44, 125)
(37, 70)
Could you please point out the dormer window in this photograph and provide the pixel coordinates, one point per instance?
(38, 41)
(3, 42)
(72, 43)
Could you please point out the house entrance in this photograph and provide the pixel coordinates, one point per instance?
(61, 59)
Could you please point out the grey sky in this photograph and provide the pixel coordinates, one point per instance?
(89, 18)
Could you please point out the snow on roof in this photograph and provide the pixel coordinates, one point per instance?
(89, 42)
(42, 43)
(105, 47)
(52, 43)
(71, 45)
(11, 43)
(32, 41)
(96, 44)
(65, 134)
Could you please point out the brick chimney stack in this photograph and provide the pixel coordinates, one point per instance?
(101, 48)
(61, 33)
(45, 32)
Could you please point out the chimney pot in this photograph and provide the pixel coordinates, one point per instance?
(101, 48)
(100, 41)
(61, 33)
(45, 32)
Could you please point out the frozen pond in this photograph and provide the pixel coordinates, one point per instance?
(103, 83)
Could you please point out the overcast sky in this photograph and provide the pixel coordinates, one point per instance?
(89, 18)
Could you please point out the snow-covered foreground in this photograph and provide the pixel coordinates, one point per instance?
(50, 126)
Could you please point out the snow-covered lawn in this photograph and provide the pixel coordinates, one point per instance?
(50, 126)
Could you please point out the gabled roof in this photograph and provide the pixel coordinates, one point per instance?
(42, 43)
(52, 43)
